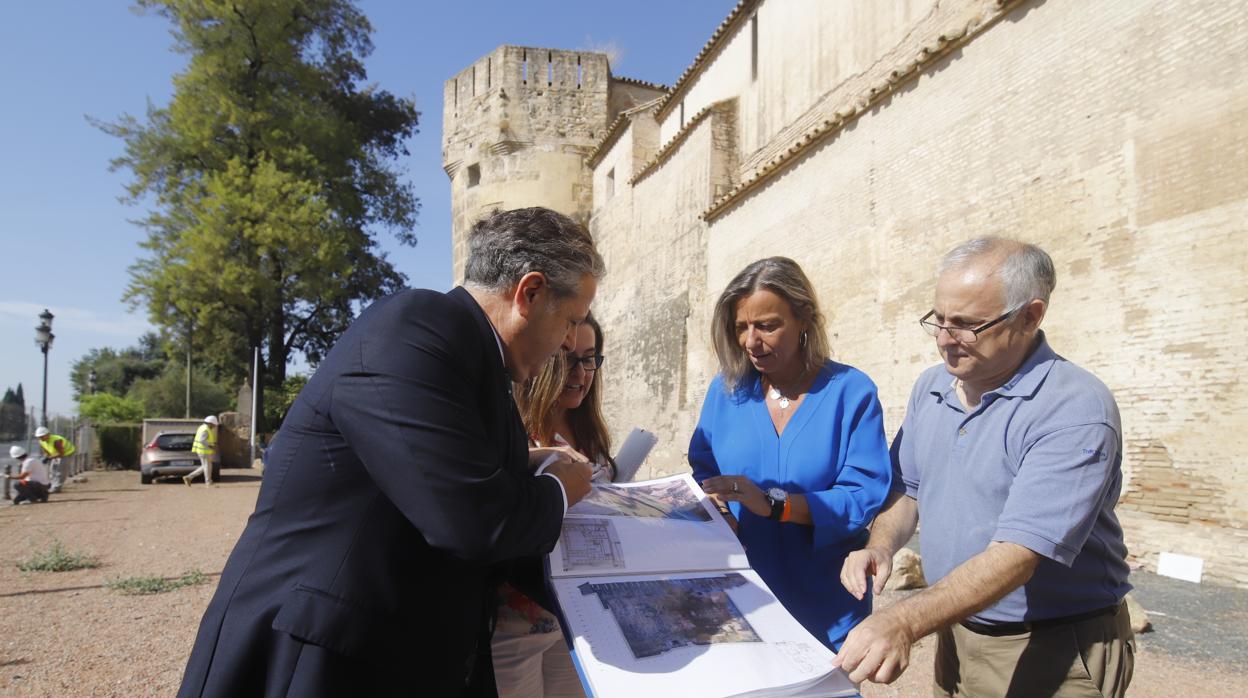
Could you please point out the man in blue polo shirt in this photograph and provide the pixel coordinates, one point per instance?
(1011, 457)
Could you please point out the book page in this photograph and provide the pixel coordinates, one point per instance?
(702, 634)
(664, 525)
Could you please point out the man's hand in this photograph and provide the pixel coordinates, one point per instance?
(538, 455)
(860, 564)
(575, 477)
(877, 649)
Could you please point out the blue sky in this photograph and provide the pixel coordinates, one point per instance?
(66, 241)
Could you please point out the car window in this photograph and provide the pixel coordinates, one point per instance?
(175, 442)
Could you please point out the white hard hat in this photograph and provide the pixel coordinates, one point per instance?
(211, 419)
(41, 432)
(17, 452)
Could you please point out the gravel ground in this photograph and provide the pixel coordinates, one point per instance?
(67, 634)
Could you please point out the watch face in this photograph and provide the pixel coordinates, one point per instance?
(777, 494)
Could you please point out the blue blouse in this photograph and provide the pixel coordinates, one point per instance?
(832, 451)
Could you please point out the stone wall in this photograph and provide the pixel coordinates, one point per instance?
(864, 144)
(1113, 134)
(517, 126)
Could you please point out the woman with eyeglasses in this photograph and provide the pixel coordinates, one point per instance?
(561, 406)
(792, 443)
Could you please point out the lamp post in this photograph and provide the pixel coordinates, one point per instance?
(44, 337)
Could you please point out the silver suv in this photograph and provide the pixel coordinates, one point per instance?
(170, 454)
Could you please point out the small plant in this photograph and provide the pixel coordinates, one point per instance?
(57, 559)
(137, 586)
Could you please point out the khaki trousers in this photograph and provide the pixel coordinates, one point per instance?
(533, 665)
(1091, 658)
(205, 467)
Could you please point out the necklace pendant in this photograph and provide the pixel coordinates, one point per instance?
(774, 394)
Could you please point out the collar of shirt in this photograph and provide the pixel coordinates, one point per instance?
(1025, 381)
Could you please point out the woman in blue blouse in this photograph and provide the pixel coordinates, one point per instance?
(793, 443)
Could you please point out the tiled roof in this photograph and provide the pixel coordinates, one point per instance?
(615, 130)
(672, 144)
(642, 83)
(742, 10)
(837, 120)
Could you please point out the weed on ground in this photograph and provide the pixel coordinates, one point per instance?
(136, 586)
(57, 559)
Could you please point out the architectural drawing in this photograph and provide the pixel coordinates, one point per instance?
(662, 615)
(591, 544)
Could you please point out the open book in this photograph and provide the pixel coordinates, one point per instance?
(658, 599)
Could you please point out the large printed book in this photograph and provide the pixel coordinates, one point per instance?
(657, 598)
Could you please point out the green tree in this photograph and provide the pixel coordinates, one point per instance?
(13, 415)
(117, 369)
(277, 407)
(105, 408)
(165, 395)
(269, 173)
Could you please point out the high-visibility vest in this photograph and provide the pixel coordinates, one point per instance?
(205, 441)
(57, 446)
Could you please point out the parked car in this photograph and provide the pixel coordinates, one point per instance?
(170, 454)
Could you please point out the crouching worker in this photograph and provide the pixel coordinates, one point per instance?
(32, 481)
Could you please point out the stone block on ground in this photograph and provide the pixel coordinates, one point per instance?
(1139, 617)
(907, 571)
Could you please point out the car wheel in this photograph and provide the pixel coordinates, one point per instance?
(145, 478)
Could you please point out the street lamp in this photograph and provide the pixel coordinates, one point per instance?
(44, 337)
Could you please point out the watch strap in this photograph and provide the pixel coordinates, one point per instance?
(778, 507)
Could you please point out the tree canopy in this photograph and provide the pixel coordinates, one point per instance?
(165, 394)
(149, 378)
(116, 370)
(268, 176)
(13, 414)
(105, 408)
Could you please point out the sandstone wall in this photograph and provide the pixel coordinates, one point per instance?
(1113, 134)
(865, 139)
(517, 126)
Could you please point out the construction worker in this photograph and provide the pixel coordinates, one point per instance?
(32, 481)
(55, 447)
(205, 446)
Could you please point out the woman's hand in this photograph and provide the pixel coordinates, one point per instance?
(737, 488)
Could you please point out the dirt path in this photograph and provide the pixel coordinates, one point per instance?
(67, 634)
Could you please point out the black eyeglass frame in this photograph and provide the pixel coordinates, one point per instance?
(934, 330)
(590, 363)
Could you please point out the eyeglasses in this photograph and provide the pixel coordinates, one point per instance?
(590, 363)
(963, 335)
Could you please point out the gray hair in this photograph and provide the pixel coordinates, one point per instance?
(783, 277)
(506, 245)
(1026, 271)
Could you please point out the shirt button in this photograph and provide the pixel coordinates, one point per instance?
(962, 431)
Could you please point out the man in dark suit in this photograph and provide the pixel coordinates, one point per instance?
(401, 486)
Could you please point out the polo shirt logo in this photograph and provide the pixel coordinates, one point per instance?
(1095, 453)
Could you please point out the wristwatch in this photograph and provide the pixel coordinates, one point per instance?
(778, 498)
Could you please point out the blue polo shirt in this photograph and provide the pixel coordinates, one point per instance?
(1038, 463)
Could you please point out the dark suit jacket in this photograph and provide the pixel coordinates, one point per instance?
(394, 495)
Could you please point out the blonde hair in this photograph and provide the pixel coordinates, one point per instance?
(538, 396)
(785, 278)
